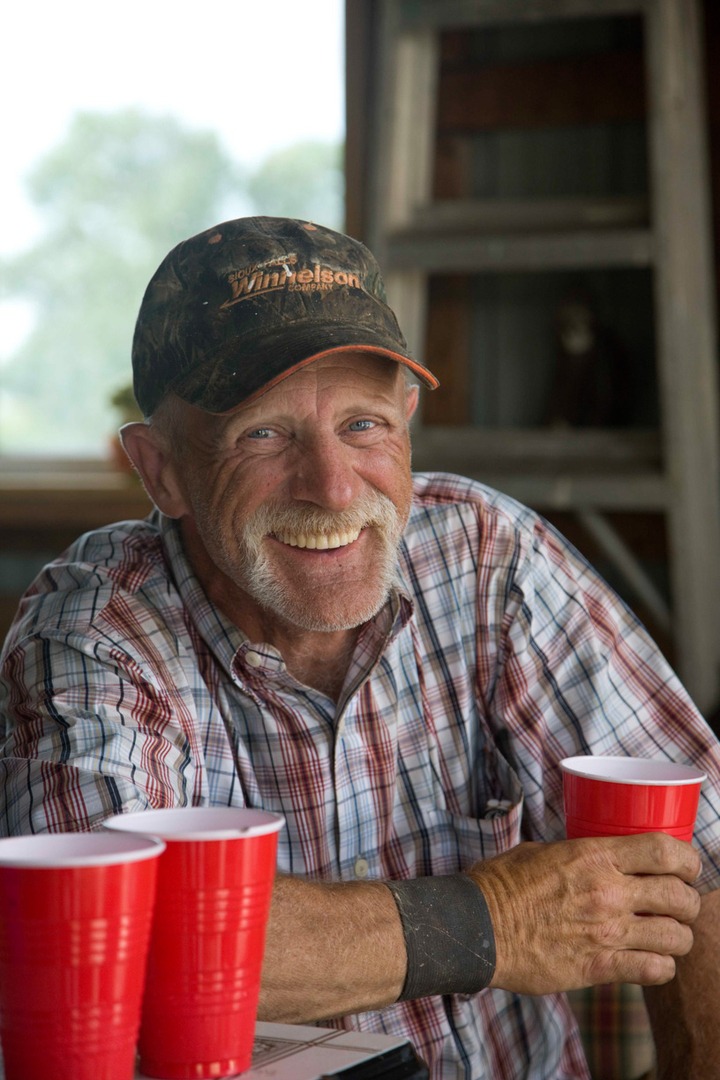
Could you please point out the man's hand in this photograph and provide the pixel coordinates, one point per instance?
(564, 915)
(583, 912)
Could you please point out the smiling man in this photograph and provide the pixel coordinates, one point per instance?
(292, 507)
(394, 662)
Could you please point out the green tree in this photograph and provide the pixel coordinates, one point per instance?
(303, 181)
(118, 192)
(115, 195)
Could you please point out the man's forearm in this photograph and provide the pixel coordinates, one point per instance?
(331, 949)
(562, 915)
(685, 1013)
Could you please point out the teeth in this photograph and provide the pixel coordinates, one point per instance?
(320, 542)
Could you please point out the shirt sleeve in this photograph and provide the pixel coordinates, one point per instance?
(92, 729)
(578, 674)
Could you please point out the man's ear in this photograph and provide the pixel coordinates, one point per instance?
(157, 468)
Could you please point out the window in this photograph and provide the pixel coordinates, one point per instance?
(132, 128)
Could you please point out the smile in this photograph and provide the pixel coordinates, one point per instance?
(319, 541)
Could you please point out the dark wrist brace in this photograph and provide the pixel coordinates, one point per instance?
(448, 935)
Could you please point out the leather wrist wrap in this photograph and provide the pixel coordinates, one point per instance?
(448, 935)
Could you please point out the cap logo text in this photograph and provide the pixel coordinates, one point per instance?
(315, 278)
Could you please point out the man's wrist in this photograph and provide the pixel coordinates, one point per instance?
(449, 937)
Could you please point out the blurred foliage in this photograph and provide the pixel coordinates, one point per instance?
(301, 181)
(115, 196)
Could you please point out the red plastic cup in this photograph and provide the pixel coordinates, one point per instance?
(616, 796)
(215, 882)
(75, 917)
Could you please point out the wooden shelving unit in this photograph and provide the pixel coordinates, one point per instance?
(426, 231)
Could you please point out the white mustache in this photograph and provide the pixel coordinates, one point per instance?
(372, 510)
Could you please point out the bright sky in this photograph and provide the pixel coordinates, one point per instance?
(263, 73)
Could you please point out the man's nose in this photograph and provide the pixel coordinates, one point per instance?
(325, 474)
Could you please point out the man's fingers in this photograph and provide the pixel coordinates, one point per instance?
(633, 966)
(667, 937)
(645, 956)
(666, 896)
(656, 853)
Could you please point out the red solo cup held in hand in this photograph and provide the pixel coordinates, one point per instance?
(75, 918)
(617, 796)
(215, 884)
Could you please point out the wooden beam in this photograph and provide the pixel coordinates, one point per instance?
(618, 451)
(687, 336)
(468, 13)
(361, 79)
(48, 500)
(402, 163)
(562, 469)
(450, 252)
(540, 215)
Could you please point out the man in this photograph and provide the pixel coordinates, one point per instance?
(395, 664)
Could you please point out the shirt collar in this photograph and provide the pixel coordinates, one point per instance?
(218, 632)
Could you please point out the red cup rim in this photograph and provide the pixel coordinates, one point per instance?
(198, 823)
(51, 851)
(648, 772)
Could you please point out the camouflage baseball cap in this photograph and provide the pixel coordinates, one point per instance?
(232, 311)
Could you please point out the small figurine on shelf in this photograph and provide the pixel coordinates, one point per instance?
(592, 383)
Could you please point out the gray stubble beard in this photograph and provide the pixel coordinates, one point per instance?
(249, 564)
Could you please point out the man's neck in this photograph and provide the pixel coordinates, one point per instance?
(315, 658)
(320, 663)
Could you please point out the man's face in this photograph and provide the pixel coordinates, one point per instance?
(300, 498)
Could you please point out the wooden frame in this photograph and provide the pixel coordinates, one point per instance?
(415, 235)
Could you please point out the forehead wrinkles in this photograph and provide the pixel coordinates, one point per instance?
(359, 375)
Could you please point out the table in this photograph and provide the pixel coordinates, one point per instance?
(298, 1052)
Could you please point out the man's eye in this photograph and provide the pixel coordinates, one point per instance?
(261, 433)
(361, 425)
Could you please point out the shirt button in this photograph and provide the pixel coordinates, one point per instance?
(362, 868)
(253, 659)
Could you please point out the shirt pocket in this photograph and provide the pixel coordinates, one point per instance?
(464, 839)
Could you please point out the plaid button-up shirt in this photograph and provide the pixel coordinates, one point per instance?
(499, 652)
